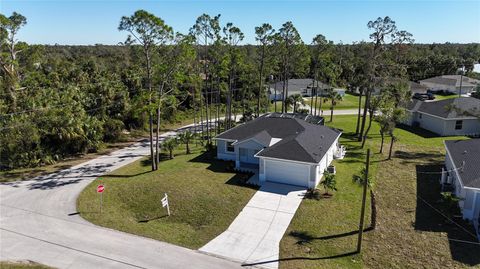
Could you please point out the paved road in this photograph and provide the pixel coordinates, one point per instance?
(39, 222)
(254, 236)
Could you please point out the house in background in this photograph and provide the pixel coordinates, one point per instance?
(462, 162)
(417, 88)
(282, 148)
(451, 83)
(455, 116)
(302, 86)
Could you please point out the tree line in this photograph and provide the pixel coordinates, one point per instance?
(58, 101)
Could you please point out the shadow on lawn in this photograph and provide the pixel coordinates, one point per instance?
(413, 157)
(446, 220)
(304, 258)
(418, 131)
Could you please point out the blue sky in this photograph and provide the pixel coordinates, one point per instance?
(92, 22)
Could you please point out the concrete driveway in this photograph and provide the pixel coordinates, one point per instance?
(39, 222)
(254, 236)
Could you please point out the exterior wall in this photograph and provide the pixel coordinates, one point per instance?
(222, 152)
(444, 127)
(251, 147)
(469, 127)
(469, 203)
(433, 124)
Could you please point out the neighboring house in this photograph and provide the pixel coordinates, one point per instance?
(281, 148)
(451, 83)
(417, 87)
(462, 162)
(456, 116)
(303, 86)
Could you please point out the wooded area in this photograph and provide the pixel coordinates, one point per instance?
(57, 101)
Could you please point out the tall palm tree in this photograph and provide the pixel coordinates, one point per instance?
(333, 97)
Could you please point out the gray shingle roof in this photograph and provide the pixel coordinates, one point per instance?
(301, 141)
(466, 153)
(461, 107)
(452, 80)
(297, 85)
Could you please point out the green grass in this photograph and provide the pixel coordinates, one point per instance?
(22, 265)
(409, 234)
(443, 97)
(204, 199)
(349, 101)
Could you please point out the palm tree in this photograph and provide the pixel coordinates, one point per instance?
(170, 144)
(334, 97)
(295, 100)
(186, 137)
(329, 182)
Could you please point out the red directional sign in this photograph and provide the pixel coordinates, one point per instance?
(100, 188)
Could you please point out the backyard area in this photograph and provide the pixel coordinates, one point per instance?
(410, 231)
(348, 101)
(204, 199)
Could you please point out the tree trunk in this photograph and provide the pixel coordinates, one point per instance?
(368, 128)
(152, 153)
(157, 135)
(150, 116)
(260, 84)
(373, 209)
(364, 117)
(381, 143)
(171, 154)
(188, 147)
(391, 147)
(331, 110)
(359, 111)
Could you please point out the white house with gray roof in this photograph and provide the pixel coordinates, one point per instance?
(462, 162)
(281, 148)
(451, 83)
(450, 117)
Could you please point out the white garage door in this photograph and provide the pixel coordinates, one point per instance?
(287, 173)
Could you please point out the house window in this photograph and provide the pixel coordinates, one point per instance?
(420, 115)
(458, 125)
(230, 148)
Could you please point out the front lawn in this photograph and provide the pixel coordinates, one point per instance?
(204, 199)
(410, 232)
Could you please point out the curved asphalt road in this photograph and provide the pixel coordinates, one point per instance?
(39, 222)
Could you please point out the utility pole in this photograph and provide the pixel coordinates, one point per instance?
(364, 198)
(461, 79)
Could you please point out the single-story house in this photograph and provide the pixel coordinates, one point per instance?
(462, 162)
(451, 83)
(302, 86)
(449, 117)
(417, 87)
(281, 148)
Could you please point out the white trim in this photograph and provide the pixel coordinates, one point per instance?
(238, 142)
(285, 160)
(224, 139)
(465, 118)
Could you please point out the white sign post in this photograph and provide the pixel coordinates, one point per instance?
(165, 203)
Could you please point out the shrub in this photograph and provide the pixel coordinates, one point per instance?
(112, 130)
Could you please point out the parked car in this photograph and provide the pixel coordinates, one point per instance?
(424, 96)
